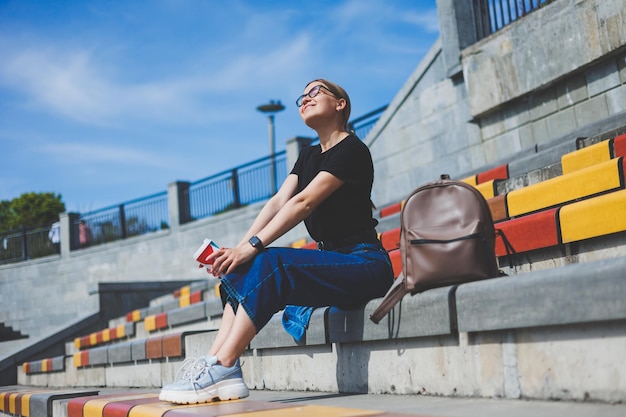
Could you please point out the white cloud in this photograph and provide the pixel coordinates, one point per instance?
(386, 13)
(70, 83)
(57, 81)
(82, 84)
(278, 63)
(89, 154)
(428, 20)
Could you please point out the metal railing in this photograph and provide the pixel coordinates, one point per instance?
(255, 181)
(133, 218)
(493, 15)
(246, 184)
(362, 125)
(24, 244)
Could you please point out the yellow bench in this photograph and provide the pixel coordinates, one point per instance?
(586, 182)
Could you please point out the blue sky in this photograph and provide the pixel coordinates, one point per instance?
(108, 101)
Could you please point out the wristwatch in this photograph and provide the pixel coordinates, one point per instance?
(256, 243)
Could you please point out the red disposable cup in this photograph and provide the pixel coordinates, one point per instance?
(207, 248)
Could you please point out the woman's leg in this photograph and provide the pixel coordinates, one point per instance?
(275, 278)
(232, 345)
(228, 318)
(295, 276)
(281, 276)
(217, 376)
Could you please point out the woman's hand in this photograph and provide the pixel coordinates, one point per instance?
(226, 260)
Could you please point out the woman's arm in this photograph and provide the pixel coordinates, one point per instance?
(274, 204)
(288, 215)
(300, 206)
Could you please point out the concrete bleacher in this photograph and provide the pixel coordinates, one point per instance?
(541, 138)
(560, 204)
(510, 337)
(438, 327)
(132, 339)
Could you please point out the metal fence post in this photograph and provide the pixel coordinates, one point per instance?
(294, 146)
(178, 203)
(24, 245)
(69, 232)
(123, 221)
(235, 186)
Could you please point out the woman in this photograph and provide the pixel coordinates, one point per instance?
(329, 188)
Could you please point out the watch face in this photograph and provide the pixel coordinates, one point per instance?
(256, 242)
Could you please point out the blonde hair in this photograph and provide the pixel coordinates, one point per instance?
(339, 93)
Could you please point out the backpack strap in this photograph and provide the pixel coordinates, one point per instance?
(511, 254)
(394, 295)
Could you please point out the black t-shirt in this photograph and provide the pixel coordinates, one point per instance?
(348, 210)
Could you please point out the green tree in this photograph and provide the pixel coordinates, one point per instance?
(5, 214)
(30, 210)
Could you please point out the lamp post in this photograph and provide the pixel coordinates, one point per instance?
(271, 109)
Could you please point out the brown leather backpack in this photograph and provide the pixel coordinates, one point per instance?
(447, 237)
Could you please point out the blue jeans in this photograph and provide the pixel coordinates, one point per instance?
(346, 277)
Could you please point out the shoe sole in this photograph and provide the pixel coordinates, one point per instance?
(230, 389)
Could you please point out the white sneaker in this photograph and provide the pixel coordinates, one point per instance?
(206, 381)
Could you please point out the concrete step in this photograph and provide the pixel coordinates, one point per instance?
(109, 403)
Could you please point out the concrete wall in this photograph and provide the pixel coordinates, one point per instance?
(559, 39)
(426, 131)
(534, 363)
(464, 107)
(467, 106)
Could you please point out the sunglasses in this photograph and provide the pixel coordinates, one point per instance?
(313, 92)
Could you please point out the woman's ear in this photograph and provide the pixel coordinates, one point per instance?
(341, 104)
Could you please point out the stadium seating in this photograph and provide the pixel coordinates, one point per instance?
(579, 204)
(586, 201)
(587, 182)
